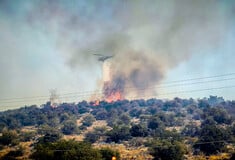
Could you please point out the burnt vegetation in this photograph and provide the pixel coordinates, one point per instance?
(170, 129)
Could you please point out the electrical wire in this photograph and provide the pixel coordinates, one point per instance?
(77, 95)
(83, 93)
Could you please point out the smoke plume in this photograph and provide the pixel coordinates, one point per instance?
(146, 38)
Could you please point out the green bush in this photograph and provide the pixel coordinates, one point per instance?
(9, 137)
(108, 153)
(167, 150)
(66, 150)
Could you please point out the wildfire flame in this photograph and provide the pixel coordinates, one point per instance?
(115, 96)
(96, 103)
(112, 92)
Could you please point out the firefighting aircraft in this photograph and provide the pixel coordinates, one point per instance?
(102, 58)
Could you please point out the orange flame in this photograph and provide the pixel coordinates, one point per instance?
(115, 96)
(96, 103)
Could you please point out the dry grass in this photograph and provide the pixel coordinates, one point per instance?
(128, 153)
(4, 151)
(24, 145)
(80, 137)
(29, 129)
(27, 149)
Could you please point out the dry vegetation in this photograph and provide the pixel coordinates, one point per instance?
(136, 129)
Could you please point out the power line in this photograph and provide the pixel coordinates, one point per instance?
(127, 90)
(81, 94)
(186, 91)
(199, 78)
(183, 84)
(74, 94)
(169, 93)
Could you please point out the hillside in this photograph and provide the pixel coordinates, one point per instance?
(137, 129)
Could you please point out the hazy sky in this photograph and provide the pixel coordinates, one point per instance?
(48, 44)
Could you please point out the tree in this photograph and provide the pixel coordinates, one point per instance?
(91, 137)
(218, 114)
(88, 120)
(50, 137)
(118, 134)
(101, 114)
(154, 123)
(12, 123)
(45, 129)
(212, 139)
(27, 136)
(70, 127)
(167, 150)
(190, 130)
(54, 122)
(64, 150)
(9, 137)
(203, 103)
(138, 131)
(135, 112)
(108, 153)
(208, 121)
(113, 117)
(64, 117)
(125, 119)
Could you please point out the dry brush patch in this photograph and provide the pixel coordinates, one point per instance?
(127, 153)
